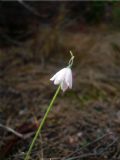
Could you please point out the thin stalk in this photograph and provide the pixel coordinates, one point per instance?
(41, 124)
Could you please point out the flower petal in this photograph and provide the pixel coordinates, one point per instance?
(57, 80)
(68, 78)
(59, 76)
(64, 78)
(64, 86)
(53, 78)
(59, 72)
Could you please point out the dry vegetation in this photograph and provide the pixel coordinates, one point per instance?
(84, 123)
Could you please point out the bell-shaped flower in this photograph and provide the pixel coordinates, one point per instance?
(64, 78)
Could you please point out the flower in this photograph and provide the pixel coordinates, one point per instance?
(64, 78)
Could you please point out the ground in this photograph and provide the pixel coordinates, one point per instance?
(84, 122)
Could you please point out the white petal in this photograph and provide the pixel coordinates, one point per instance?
(53, 78)
(68, 78)
(64, 78)
(57, 80)
(61, 72)
(59, 76)
(64, 86)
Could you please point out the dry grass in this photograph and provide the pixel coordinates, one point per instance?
(79, 117)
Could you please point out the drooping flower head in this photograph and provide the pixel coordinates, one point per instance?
(64, 76)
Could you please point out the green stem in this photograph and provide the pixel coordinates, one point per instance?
(41, 124)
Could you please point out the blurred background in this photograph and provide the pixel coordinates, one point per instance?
(35, 40)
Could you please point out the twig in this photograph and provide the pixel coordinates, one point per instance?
(89, 144)
(83, 156)
(25, 136)
(11, 40)
(12, 131)
(110, 145)
(29, 8)
(92, 154)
